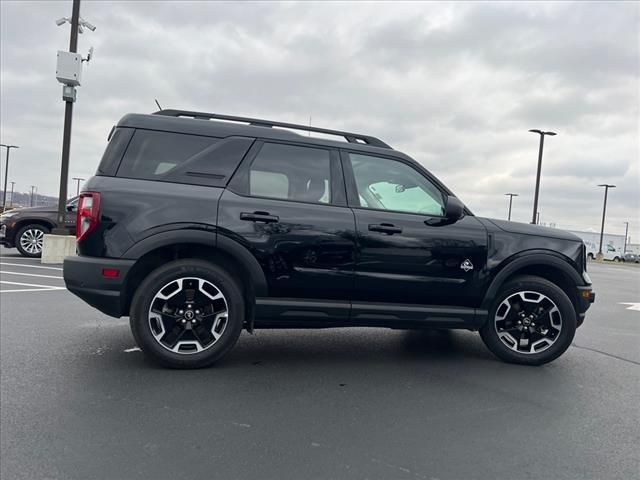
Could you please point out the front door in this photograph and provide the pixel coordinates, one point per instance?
(407, 252)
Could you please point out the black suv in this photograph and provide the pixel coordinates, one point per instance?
(25, 228)
(198, 225)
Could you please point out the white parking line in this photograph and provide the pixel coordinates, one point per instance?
(29, 266)
(39, 288)
(30, 274)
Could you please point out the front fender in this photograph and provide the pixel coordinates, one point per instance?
(526, 259)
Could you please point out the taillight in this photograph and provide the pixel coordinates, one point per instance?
(88, 214)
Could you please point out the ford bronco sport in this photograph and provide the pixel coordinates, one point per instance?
(198, 225)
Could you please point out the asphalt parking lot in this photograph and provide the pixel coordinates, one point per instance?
(79, 401)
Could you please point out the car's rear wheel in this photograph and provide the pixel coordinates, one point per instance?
(532, 322)
(590, 256)
(187, 314)
(29, 240)
(616, 259)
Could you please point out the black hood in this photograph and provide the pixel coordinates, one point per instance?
(528, 229)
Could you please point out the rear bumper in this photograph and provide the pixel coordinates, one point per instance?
(83, 277)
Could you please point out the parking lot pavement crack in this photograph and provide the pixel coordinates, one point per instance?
(606, 353)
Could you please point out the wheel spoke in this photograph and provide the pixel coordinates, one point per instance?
(528, 322)
(188, 315)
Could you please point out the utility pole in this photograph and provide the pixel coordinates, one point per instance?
(541, 147)
(31, 198)
(66, 136)
(626, 232)
(604, 212)
(11, 201)
(6, 174)
(510, 195)
(537, 222)
(78, 180)
(68, 73)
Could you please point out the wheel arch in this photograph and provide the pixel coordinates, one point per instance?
(43, 222)
(160, 248)
(549, 266)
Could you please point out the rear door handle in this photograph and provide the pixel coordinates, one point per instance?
(259, 217)
(387, 228)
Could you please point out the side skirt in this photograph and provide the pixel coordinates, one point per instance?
(311, 313)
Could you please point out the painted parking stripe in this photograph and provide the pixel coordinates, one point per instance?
(32, 287)
(29, 266)
(632, 306)
(29, 274)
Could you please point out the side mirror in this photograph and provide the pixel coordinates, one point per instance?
(71, 208)
(454, 209)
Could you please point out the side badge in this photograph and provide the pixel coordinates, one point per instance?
(467, 266)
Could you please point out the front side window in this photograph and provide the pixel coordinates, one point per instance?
(387, 184)
(290, 172)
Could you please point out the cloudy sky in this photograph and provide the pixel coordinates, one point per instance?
(456, 86)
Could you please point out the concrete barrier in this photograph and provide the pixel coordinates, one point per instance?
(56, 247)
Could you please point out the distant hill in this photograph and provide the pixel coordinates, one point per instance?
(24, 200)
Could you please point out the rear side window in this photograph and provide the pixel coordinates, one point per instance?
(291, 172)
(153, 155)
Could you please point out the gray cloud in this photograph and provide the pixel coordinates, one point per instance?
(455, 85)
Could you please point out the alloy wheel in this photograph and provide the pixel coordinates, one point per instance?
(31, 241)
(188, 315)
(528, 322)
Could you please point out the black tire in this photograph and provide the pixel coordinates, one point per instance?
(590, 256)
(616, 259)
(560, 344)
(23, 240)
(160, 278)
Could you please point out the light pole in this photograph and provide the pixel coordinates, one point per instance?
(510, 195)
(69, 97)
(78, 180)
(626, 232)
(31, 199)
(11, 201)
(6, 174)
(535, 198)
(604, 212)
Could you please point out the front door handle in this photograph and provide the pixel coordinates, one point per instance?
(387, 228)
(259, 217)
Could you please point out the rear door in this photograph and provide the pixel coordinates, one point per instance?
(287, 205)
(408, 253)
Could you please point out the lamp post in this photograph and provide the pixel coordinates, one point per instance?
(31, 199)
(535, 197)
(11, 201)
(78, 180)
(604, 212)
(626, 232)
(510, 195)
(6, 174)
(69, 97)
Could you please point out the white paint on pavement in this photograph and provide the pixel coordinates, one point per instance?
(32, 287)
(29, 274)
(30, 266)
(133, 349)
(632, 306)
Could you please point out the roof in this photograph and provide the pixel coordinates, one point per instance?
(216, 125)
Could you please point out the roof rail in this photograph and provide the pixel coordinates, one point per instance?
(349, 137)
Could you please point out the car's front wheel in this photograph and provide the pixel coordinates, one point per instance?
(531, 322)
(29, 240)
(187, 314)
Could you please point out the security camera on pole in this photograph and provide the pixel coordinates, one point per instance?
(68, 72)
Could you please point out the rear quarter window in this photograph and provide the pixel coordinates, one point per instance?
(153, 155)
(114, 151)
